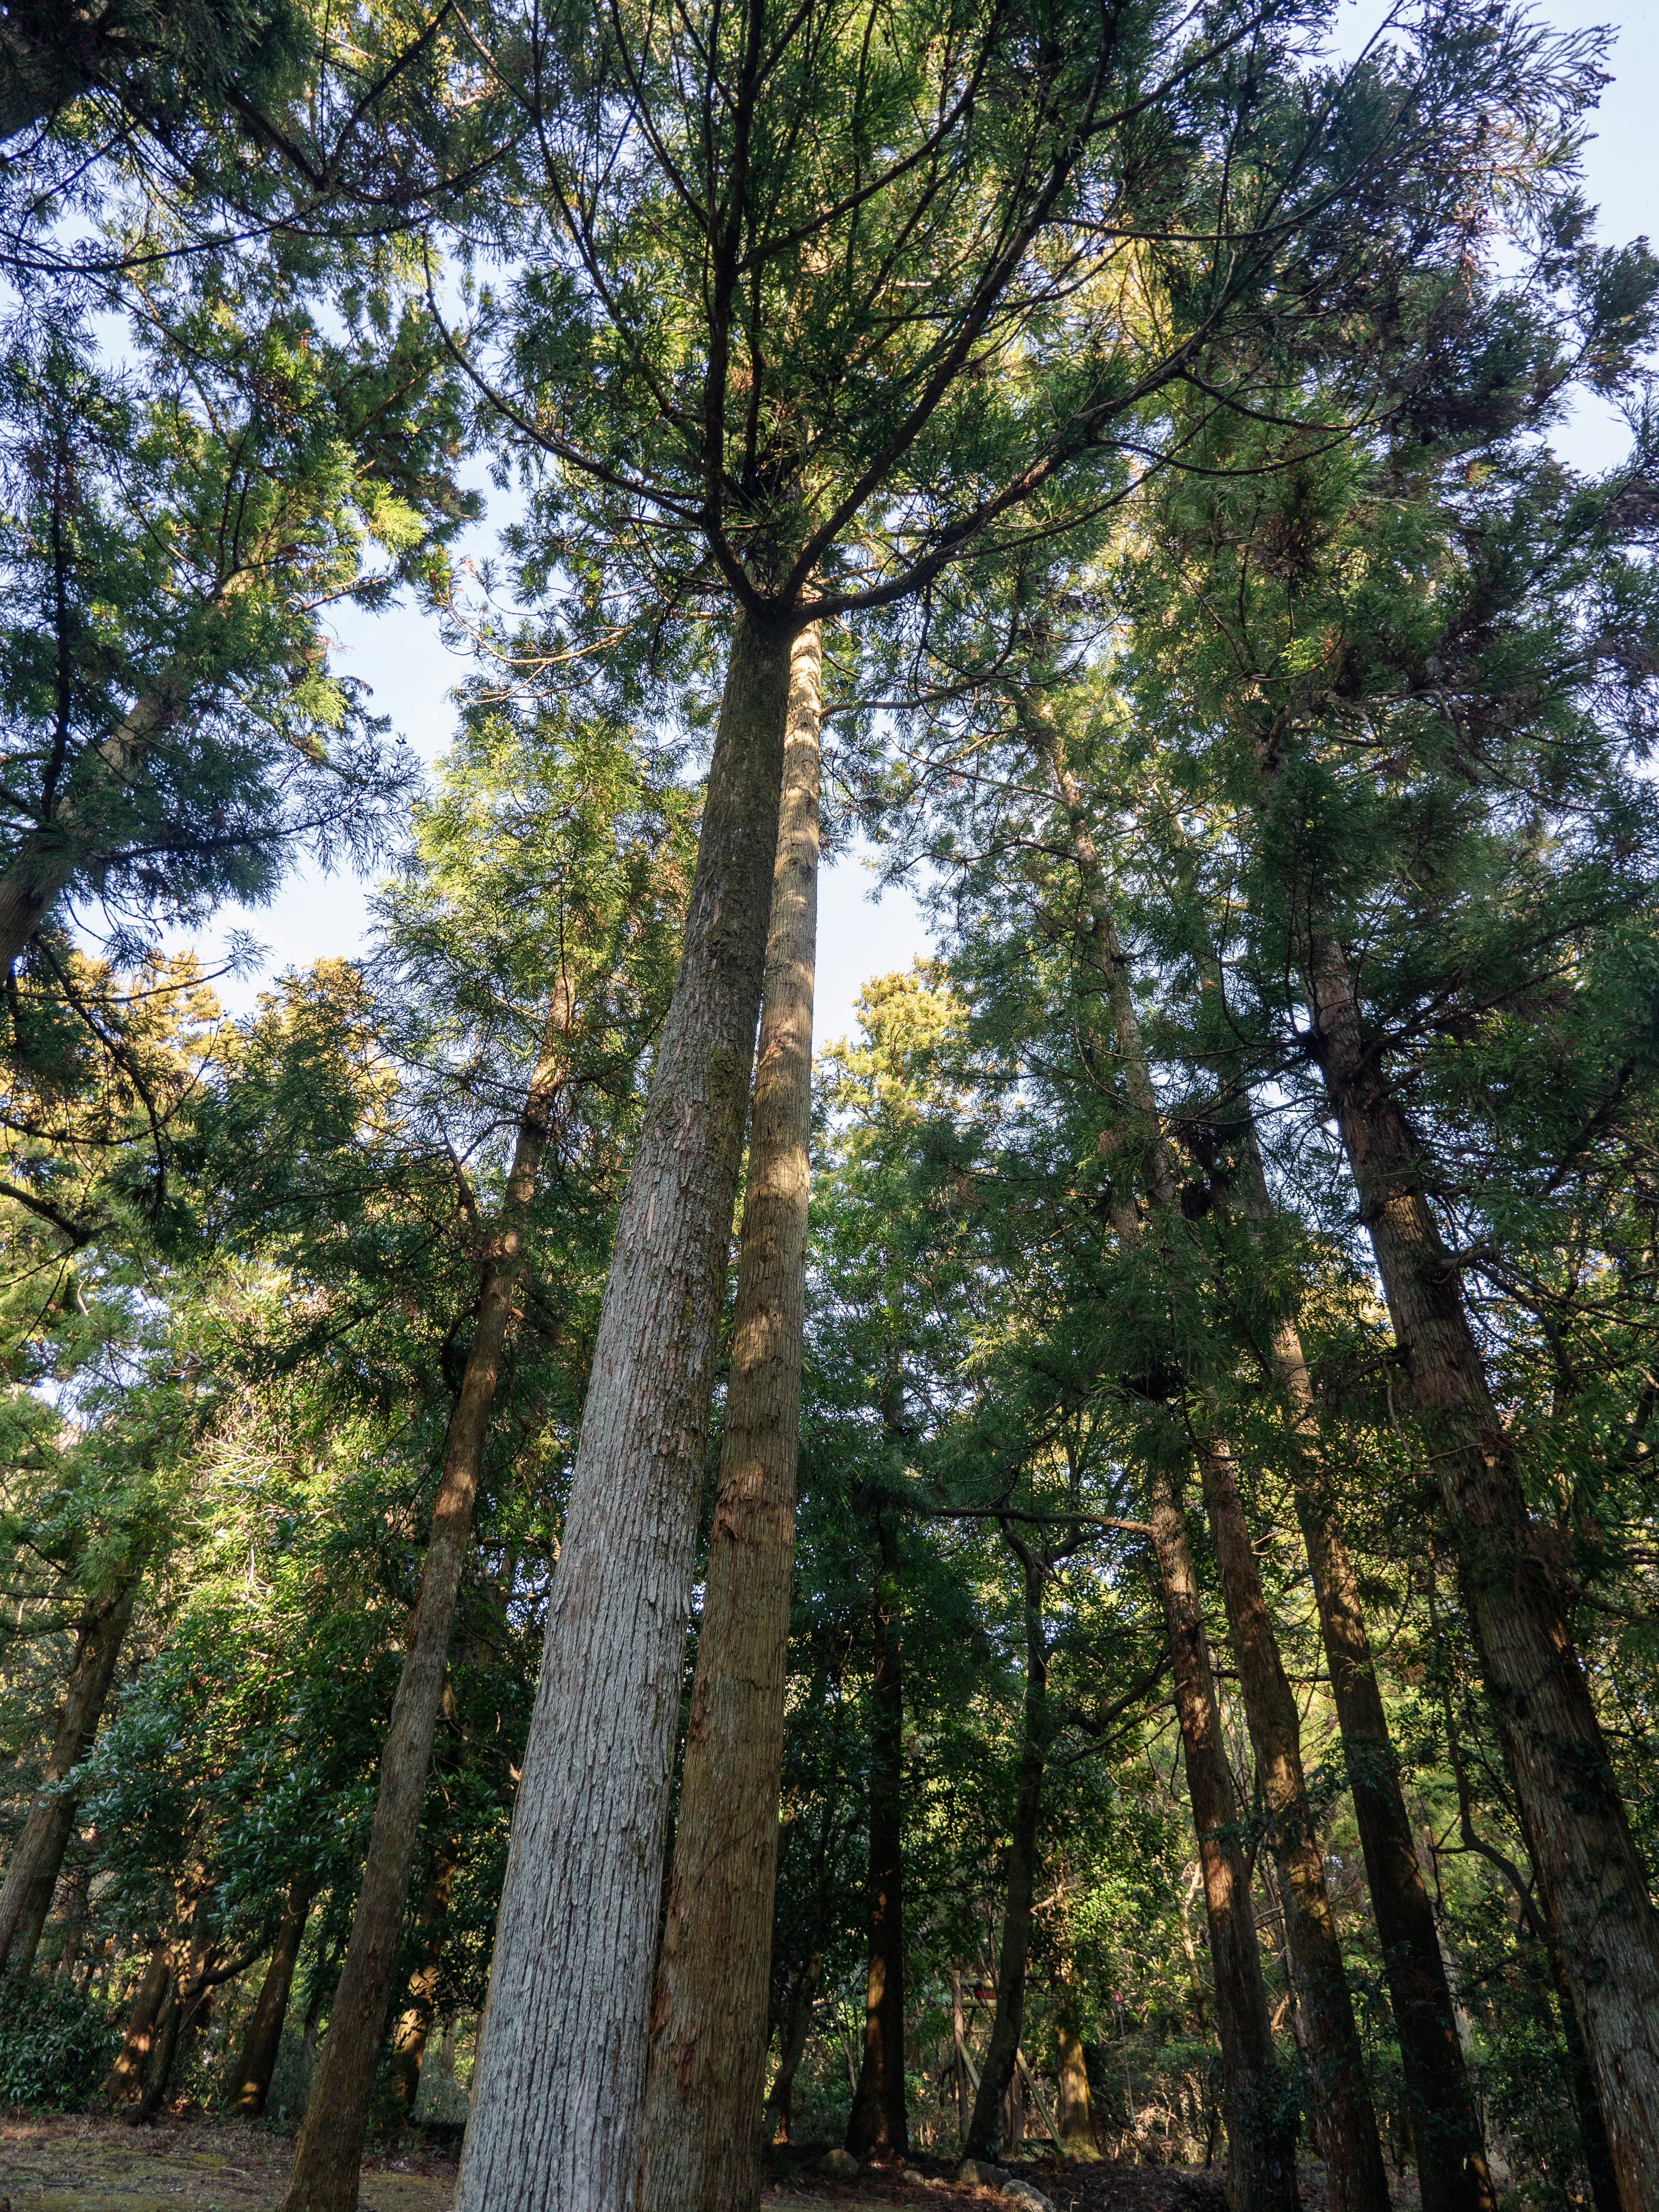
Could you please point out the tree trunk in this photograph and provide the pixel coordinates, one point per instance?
(702, 2150)
(37, 1858)
(1453, 2175)
(560, 2071)
(1587, 1861)
(414, 2023)
(1077, 2116)
(1344, 2120)
(997, 2073)
(959, 2036)
(879, 2121)
(797, 2025)
(121, 2084)
(1257, 2103)
(264, 2039)
(329, 2153)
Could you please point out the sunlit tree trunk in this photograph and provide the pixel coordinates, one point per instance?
(560, 2079)
(709, 2011)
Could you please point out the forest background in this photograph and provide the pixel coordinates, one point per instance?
(261, 1241)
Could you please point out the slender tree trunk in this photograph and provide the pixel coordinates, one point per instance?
(37, 1858)
(329, 2153)
(997, 2076)
(702, 2145)
(1453, 2175)
(264, 2039)
(560, 2078)
(1344, 2120)
(797, 2025)
(414, 2023)
(121, 2084)
(959, 2036)
(879, 2121)
(1257, 2102)
(1586, 1860)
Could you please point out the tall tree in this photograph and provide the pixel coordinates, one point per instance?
(710, 2013)
(720, 455)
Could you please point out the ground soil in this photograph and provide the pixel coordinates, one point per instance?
(80, 2162)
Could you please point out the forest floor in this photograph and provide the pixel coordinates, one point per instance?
(80, 2162)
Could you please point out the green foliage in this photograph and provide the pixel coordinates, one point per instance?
(56, 2044)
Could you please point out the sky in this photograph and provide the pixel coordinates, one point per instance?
(400, 657)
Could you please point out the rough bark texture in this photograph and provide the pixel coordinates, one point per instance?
(997, 2076)
(701, 2144)
(329, 2153)
(1586, 1859)
(561, 2072)
(1344, 2120)
(37, 1858)
(1257, 2103)
(264, 2039)
(122, 2082)
(879, 2122)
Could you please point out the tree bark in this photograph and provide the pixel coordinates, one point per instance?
(122, 2082)
(1257, 2103)
(1344, 2120)
(264, 2039)
(997, 2076)
(561, 2072)
(879, 2121)
(329, 2153)
(413, 2025)
(37, 1858)
(705, 2075)
(1586, 1859)
(1076, 2107)
(1453, 2175)
(797, 2025)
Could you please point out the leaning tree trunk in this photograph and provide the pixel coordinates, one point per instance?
(1453, 2175)
(329, 2153)
(878, 2120)
(264, 2039)
(560, 2078)
(1344, 2118)
(125, 2077)
(1257, 2102)
(1587, 1861)
(1008, 2021)
(37, 1858)
(709, 2012)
